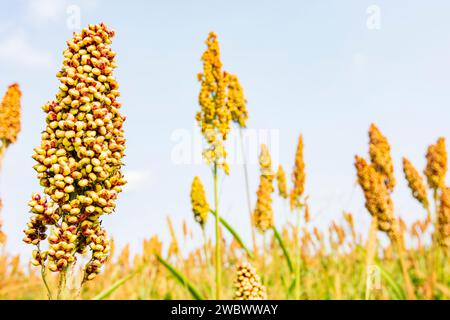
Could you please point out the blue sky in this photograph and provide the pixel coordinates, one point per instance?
(310, 67)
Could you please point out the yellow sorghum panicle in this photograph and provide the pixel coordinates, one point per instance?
(200, 206)
(443, 219)
(380, 156)
(298, 176)
(214, 117)
(378, 200)
(281, 179)
(236, 100)
(307, 215)
(415, 182)
(436, 168)
(80, 156)
(263, 214)
(10, 115)
(2, 234)
(248, 285)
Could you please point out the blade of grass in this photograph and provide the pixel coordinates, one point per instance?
(181, 278)
(396, 288)
(116, 285)
(283, 248)
(234, 234)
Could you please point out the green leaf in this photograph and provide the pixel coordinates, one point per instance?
(234, 234)
(399, 293)
(116, 285)
(181, 278)
(283, 247)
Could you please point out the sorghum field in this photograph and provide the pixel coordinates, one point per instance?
(79, 164)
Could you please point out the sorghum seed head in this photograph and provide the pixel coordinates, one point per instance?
(10, 115)
(214, 117)
(415, 183)
(443, 219)
(378, 200)
(281, 179)
(263, 213)
(436, 167)
(298, 176)
(380, 156)
(236, 100)
(248, 285)
(80, 156)
(200, 206)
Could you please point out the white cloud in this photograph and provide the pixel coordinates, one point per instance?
(16, 49)
(138, 179)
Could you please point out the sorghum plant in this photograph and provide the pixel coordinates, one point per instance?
(443, 220)
(9, 128)
(380, 156)
(9, 117)
(79, 159)
(436, 167)
(377, 182)
(298, 176)
(200, 206)
(416, 183)
(295, 197)
(281, 179)
(263, 214)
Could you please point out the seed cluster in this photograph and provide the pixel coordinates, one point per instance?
(415, 183)
(380, 156)
(80, 156)
(263, 213)
(236, 102)
(10, 116)
(2, 234)
(378, 200)
(436, 168)
(221, 101)
(248, 285)
(298, 176)
(200, 206)
(281, 179)
(214, 117)
(443, 219)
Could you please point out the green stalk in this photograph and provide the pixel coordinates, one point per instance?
(62, 284)
(181, 278)
(44, 279)
(298, 257)
(284, 249)
(247, 191)
(371, 250)
(216, 211)
(234, 234)
(207, 260)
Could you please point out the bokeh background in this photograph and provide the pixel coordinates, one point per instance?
(326, 69)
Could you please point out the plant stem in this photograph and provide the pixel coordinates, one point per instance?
(62, 284)
(298, 256)
(283, 248)
(216, 210)
(207, 260)
(44, 279)
(371, 249)
(434, 245)
(247, 192)
(398, 243)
